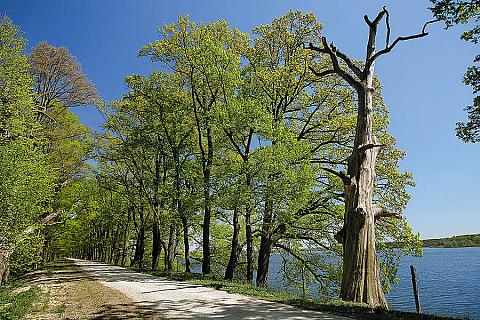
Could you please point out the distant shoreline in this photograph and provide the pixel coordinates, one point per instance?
(430, 247)
(461, 241)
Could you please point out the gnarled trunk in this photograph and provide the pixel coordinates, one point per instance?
(361, 267)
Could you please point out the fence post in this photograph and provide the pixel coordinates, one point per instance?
(415, 289)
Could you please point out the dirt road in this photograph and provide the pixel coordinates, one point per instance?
(178, 300)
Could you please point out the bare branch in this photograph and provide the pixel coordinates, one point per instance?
(365, 147)
(332, 51)
(387, 49)
(387, 22)
(427, 23)
(351, 65)
(381, 212)
(342, 175)
(323, 73)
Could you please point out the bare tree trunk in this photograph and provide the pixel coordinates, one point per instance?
(208, 207)
(265, 243)
(235, 247)
(138, 260)
(156, 243)
(186, 244)
(249, 240)
(249, 233)
(172, 246)
(125, 239)
(361, 267)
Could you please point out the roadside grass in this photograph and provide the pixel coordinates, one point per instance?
(342, 308)
(16, 300)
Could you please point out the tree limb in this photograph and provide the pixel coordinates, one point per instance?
(381, 212)
(342, 175)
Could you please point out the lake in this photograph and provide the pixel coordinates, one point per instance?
(448, 282)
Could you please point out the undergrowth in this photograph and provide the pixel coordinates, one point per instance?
(16, 301)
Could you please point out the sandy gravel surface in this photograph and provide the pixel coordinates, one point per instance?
(178, 300)
(69, 293)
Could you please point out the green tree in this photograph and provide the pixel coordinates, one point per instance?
(454, 12)
(207, 59)
(26, 184)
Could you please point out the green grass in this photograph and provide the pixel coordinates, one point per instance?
(353, 310)
(14, 304)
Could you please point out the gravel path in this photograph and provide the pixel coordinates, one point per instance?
(179, 300)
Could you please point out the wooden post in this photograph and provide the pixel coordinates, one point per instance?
(415, 290)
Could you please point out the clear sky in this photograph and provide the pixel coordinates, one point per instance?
(421, 78)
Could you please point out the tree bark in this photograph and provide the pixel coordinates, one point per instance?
(156, 243)
(235, 247)
(208, 205)
(4, 267)
(126, 238)
(249, 233)
(265, 243)
(186, 244)
(172, 246)
(138, 260)
(249, 240)
(361, 266)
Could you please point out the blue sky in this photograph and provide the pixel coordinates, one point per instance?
(421, 78)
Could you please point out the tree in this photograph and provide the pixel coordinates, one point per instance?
(26, 183)
(454, 12)
(361, 280)
(206, 57)
(58, 79)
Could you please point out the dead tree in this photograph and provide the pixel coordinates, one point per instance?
(361, 267)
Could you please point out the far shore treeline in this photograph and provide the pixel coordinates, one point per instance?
(468, 240)
(460, 241)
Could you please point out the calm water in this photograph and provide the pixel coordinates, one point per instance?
(448, 282)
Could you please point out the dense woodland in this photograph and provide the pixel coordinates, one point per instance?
(235, 147)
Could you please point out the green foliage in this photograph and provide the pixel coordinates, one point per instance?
(239, 126)
(13, 304)
(26, 256)
(472, 240)
(37, 159)
(454, 12)
(16, 85)
(27, 184)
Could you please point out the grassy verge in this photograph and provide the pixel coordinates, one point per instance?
(353, 310)
(16, 300)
